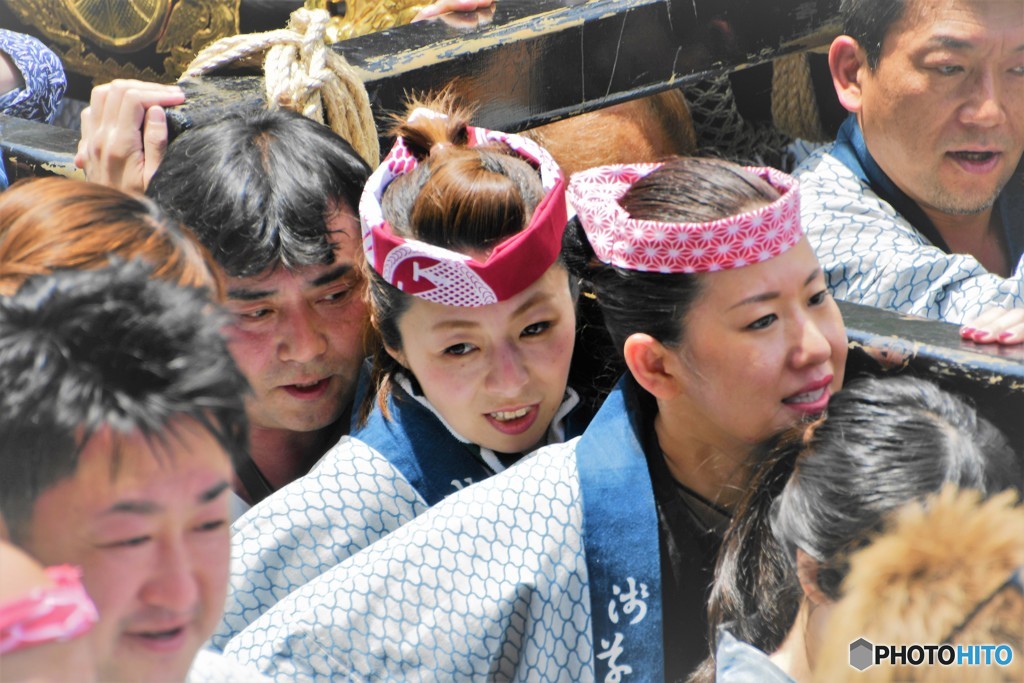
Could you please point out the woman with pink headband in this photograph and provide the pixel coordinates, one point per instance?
(592, 559)
(462, 230)
(44, 616)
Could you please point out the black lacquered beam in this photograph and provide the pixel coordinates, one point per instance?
(882, 342)
(541, 60)
(31, 149)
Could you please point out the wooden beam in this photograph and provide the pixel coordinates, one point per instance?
(883, 343)
(541, 60)
(32, 149)
(545, 60)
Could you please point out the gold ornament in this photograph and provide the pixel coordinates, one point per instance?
(107, 39)
(366, 16)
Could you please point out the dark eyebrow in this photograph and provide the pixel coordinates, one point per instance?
(767, 296)
(952, 43)
(246, 294)
(133, 507)
(213, 492)
(148, 507)
(538, 297)
(243, 294)
(331, 275)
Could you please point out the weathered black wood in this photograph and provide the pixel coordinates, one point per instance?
(883, 342)
(542, 60)
(34, 149)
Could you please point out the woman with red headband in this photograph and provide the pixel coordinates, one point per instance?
(592, 559)
(462, 230)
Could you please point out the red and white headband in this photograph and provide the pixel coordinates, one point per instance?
(448, 277)
(52, 613)
(652, 246)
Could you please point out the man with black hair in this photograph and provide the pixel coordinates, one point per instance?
(919, 204)
(272, 195)
(120, 416)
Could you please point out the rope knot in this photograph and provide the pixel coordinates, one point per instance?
(303, 74)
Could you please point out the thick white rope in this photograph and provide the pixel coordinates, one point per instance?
(302, 73)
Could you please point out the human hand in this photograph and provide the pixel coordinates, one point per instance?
(996, 326)
(444, 6)
(124, 132)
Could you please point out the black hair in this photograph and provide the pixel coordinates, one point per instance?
(682, 190)
(827, 486)
(869, 21)
(81, 350)
(459, 198)
(258, 188)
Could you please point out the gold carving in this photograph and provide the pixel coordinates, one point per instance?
(368, 16)
(90, 35)
(118, 26)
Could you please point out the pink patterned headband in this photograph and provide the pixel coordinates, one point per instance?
(651, 246)
(448, 277)
(59, 612)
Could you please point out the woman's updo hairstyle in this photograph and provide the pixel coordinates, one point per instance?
(465, 199)
(921, 437)
(682, 190)
(461, 198)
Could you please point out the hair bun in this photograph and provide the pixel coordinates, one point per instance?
(432, 124)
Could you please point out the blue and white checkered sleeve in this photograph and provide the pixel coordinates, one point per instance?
(489, 584)
(871, 255)
(353, 497)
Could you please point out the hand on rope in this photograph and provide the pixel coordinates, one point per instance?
(124, 132)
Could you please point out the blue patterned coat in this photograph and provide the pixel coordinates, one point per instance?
(874, 254)
(44, 78)
(492, 583)
(369, 484)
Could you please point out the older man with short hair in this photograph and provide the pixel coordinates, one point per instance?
(918, 206)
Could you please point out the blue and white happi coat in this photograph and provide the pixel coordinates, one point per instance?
(878, 248)
(547, 571)
(740, 662)
(369, 484)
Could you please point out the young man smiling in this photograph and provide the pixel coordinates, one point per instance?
(919, 204)
(120, 417)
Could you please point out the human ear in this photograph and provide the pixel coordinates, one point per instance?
(807, 572)
(652, 365)
(846, 61)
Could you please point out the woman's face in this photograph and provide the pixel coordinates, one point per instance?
(763, 347)
(495, 373)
